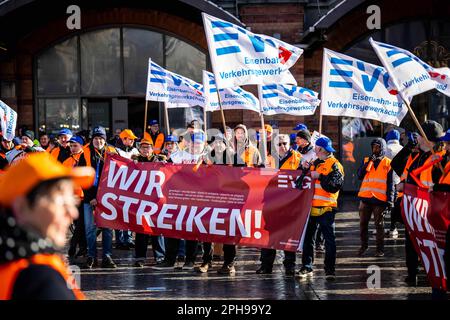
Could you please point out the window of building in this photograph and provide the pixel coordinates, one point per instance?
(81, 81)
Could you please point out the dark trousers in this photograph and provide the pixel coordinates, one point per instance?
(79, 234)
(365, 213)
(229, 253)
(326, 223)
(396, 214)
(412, 259)
(207, 252)
(141, 245)
(172, 246)
(268, 258)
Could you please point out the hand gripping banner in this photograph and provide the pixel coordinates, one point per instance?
(427, 218)
(221, 204)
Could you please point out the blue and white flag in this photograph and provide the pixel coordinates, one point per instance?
(354, 88)
(8, 121)
(232, 98)
(240, 57)
(411, 76)
(287, 99)
(177, 91)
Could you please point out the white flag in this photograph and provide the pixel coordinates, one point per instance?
(409, 74)
(232, 98)
(354, 88)
(287, 99)
(240, 57)
(176, 90)
(8, 120)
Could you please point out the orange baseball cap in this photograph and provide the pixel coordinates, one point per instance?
(127, 133)
(22, 177)
(146, 139)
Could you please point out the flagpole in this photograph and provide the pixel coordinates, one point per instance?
(166, 119)
(204, 118)
(263, 138)
(422, 133)
(320, 119)
(221, 112)
(145, 117)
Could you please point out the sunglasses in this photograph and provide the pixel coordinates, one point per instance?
(282, 144)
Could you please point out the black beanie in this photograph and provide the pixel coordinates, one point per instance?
(304, 134)
(433, 130)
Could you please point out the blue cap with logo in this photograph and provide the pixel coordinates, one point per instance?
(77, 139)
(325, 143)
(446, 137)
(198, 137)
(171, 139)
(99, 131)
(66, 132)
(300, 126)
(153, 122)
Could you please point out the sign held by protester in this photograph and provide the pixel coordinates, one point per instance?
(177, 91)
(427, 217)
(8, 121)
(411, 75)
(236, 206)
(240, 57)
(231, 98)
(288, 99)
(354, 88)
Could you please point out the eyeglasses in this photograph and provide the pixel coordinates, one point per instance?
(282, 144)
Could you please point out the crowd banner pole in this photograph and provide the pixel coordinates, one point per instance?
(263, 136)
(320, 120)
(204, 119)
(166, 118)
(221, 112)
(145, 117)
(422, 133)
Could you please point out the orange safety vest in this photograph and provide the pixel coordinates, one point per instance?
(375, 180)
(248, 155)
(10, 271)
(409, 162)
(445, 178)
(158, 144)
(87, 153)
(321, 197)
(293, 162)
(71, 162)
(426, 177)
(55, 153)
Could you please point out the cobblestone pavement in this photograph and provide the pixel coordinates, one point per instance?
(127, 282)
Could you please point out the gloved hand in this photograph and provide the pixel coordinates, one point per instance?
(412, 139)
(373, 157)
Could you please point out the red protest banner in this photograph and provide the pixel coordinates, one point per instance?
(245, 206)
(427, 218)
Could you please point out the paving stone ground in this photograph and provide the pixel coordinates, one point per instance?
(127, 282)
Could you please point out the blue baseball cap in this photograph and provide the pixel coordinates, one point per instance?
(99, 131)
(153, 122)
(300, 126)
(198, 137)
(325, 143)
(446, 137)
(393, 135)
(171, 139)
(66, 132)
(77, 139)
